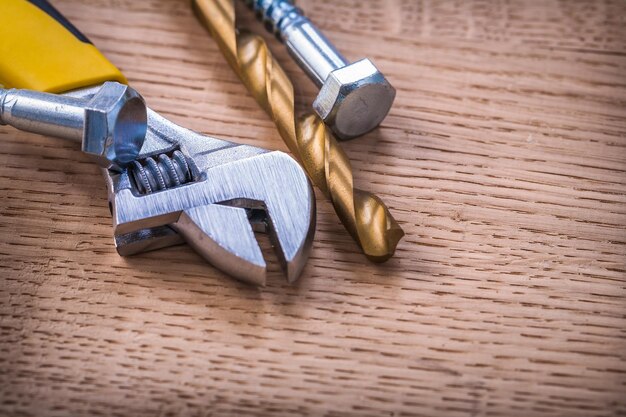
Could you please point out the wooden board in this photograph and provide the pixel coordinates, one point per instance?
(504, 160)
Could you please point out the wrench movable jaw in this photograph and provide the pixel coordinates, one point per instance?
(220, 234)
(224, 237)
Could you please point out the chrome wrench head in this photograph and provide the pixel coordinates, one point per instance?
(232, 190)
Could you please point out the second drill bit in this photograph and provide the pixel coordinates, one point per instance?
(363, 214)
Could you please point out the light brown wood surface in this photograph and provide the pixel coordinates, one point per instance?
(504, 160)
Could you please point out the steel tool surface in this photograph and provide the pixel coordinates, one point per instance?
(171, 185)
(354, 97)
(363, 214)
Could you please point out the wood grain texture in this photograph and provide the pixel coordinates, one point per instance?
(504, 159)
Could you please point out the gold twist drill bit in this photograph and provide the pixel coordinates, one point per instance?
(363, 214)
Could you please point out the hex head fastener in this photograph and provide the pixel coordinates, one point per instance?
(111, 125)
(115, 125)
(354, 98)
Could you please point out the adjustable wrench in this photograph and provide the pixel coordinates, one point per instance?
(182, 186)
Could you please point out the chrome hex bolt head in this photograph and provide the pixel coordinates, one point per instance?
(115, 125)
(354, 99)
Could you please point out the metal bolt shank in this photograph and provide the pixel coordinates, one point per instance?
(310, 48)
(312, 51)
(43, 113)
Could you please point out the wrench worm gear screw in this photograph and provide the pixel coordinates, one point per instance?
(160, 172)
(354, 98)
(363, 214)
(111, 124)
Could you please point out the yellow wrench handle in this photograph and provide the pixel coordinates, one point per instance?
(41, 50)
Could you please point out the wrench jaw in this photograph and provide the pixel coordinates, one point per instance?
(224, 237)
(272, 220)
(294, 264)
(278, 181)
(240, 258)
(293, 257)
(220, 234)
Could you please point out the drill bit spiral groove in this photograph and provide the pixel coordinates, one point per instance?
(363, 214)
